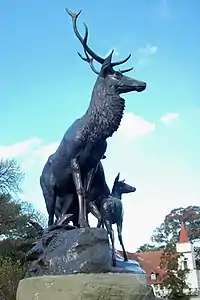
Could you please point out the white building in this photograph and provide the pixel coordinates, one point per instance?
(187, 261)
(150, 262)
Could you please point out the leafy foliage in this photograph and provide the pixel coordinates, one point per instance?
(10, 177)
(11, 272)
(148, 248)
(169, 229)
(20, 226)
(165, 238)
(174, 281)
(168, 232)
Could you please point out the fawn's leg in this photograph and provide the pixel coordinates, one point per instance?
(119, 230)
(111, 234)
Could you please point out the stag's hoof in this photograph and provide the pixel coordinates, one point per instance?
(126, 259)
(84, 224)
(99, 224)
(65, 219)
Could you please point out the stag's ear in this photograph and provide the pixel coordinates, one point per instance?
(106, 65)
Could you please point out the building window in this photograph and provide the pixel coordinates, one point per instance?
(154, 276)
(185, 264)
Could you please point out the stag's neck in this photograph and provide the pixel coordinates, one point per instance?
(105, 111)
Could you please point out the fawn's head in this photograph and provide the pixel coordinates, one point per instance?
(121, 187)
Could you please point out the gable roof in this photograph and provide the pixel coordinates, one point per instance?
(150, 262)
(183, 236)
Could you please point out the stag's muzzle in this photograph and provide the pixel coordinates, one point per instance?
(128, 84)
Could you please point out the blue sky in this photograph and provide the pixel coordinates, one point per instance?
(44, 86)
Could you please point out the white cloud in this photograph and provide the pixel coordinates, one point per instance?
(20, 148)
(148, 50)
(134, 126)
(131, 127)
(32, 154)
(145, 53)
(169, 117)
(46, 150)
(144, 165)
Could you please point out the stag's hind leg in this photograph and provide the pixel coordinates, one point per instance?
(119, 230)
(63, 207)
(50, 200)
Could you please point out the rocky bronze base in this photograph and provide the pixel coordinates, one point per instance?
(86, 287)
(63, 251)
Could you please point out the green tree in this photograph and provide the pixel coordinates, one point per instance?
(20, 225)
(19, 221)
(168, 231)
(11, 272)
(148, 247)
(175, 278)
(10, 177)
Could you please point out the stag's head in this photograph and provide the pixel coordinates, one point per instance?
(115, 81)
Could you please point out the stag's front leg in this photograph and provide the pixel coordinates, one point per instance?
(87, 187)
(89, 178)
(76, 173)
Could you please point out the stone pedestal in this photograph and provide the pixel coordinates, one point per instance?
(86, 287)
(83, 250)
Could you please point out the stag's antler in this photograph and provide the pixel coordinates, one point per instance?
(89, 60)
(83, 41)
(126, 70)
(120, 62)
(87, 49)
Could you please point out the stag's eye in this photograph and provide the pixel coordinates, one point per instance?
(118, 74)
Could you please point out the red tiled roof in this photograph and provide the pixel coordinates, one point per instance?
(150, 262)
(183, 237)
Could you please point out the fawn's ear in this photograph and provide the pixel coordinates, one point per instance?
(117, 177)
(116, 180)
